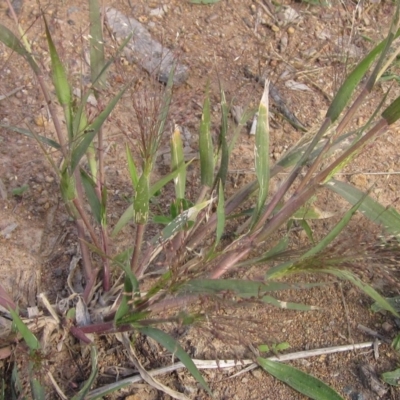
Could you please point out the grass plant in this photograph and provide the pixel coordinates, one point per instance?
(192, 261)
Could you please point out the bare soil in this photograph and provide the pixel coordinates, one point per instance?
(218, 43)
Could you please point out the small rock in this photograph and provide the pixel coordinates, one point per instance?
(42, 200)
(387, 327)
(41, 121)
(276, 155)
(159, 11)
(274, 28)
(49, 179)
(290, 30)
(6, 232)
(257, 373)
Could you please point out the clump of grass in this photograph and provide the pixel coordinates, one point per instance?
(188, 255)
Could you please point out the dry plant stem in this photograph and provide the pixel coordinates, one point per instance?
(218, 364)
(136, 251)
(373, 333)
(230, 260)
(204, 190)
(317, 161)
(353, 109)
(299, 199)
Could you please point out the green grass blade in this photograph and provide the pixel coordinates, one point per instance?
(125, 218)
(347, 88)
(93, 374)
(37, 389)
(242, 288)
(181, 221)
(177, 159)
(367, 289)
(276, 251)
(334, 232)
(94, 202)
(285, 268)
(129, 212)
(261, 156)
(79, 122)
(124, 307)
(16, 383)
(92, 130)
(142, 199)
(388, 217)
(132, 168)
(299, 380)
(392, 377)
(165, 179)
(311, 212)
(392, 112)
(223, 169)
(25, 132)
(307, 229)
(10, 40)
(98, 76)
(175, 348)
(28, 336)
(206, 146)
(60, 81)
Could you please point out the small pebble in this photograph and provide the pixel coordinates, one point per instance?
(274, 28)
(387, 327)
(41, 121)
(290, 30)
(49, 179)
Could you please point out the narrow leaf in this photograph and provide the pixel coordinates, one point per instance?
(345, 91)
(94, 202)
(283, 269)
(93, 129)
(28, 133)
(37, 389)
(60, 81)
(242, 288)
(261, 154)
(177, 159)
(180, 221)
(299, 380)
(96, 42)
(129, 213)
(11, 41)
(371, 292)
(388, 217)
(223, 169)
(392, 112)
(206, 146)
(175, 348)
(93, 374)
(392, 377)
(142, 199)
(28, 336)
